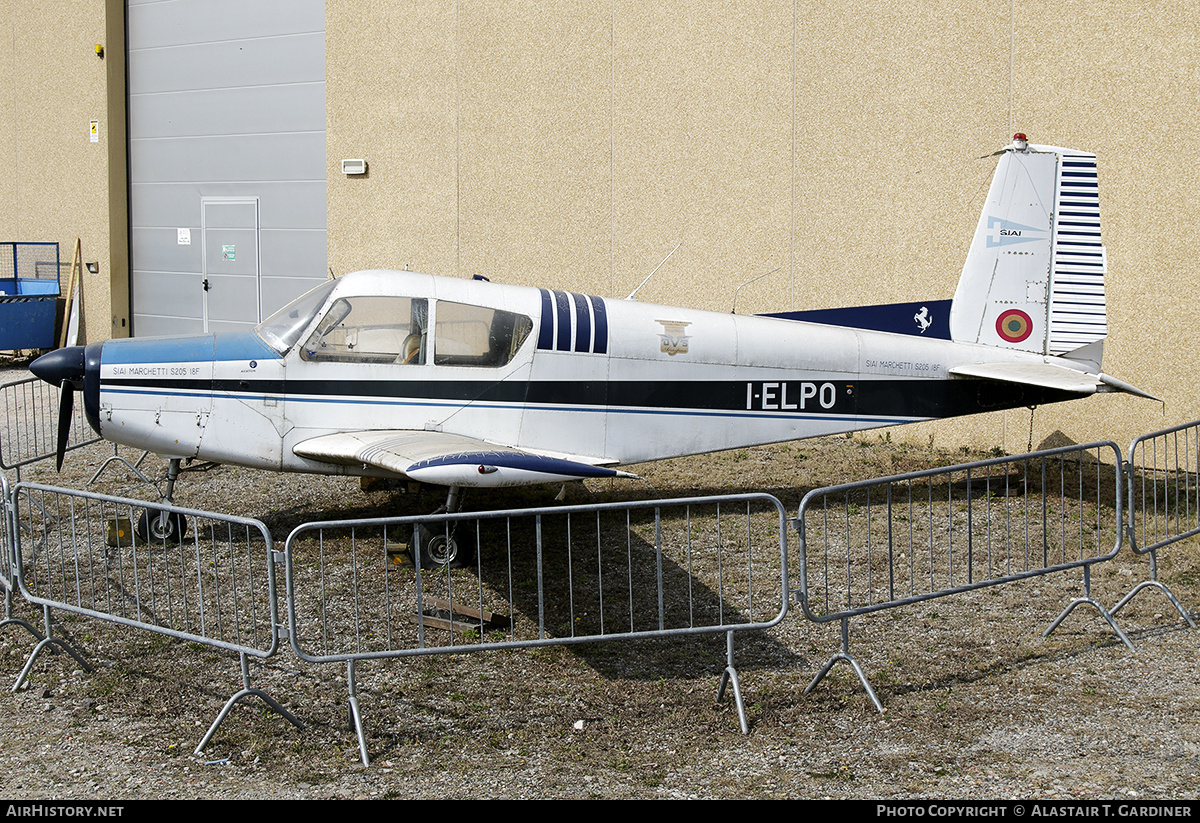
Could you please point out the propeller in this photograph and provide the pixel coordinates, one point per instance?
(66, 407)
(63, 368)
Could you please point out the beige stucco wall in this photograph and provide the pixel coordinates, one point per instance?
(57, 185)
(575, 144)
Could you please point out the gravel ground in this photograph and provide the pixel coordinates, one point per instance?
(978, 704)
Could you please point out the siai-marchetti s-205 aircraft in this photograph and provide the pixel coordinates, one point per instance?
(469, 383)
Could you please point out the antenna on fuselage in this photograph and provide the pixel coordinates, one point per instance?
(656, 268)
(747, 283)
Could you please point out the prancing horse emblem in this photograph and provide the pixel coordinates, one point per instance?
(923, 319)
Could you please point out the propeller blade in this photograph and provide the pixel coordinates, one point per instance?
(66, 408)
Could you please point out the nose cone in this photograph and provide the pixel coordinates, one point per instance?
(63, 364)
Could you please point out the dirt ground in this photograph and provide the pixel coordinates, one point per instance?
(978, 704)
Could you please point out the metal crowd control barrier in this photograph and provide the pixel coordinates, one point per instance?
(544, 576)
(29, 420)
(93, 555)
(1164, 499)
(883, 543)
(581, 574)
(7, 568)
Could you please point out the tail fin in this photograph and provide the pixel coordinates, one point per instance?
(1034, 276)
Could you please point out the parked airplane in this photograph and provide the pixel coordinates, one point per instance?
(468, 383)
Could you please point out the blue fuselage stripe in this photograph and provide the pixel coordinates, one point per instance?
(583, 324)
(546, 332)
(563, 343)
(600, 313)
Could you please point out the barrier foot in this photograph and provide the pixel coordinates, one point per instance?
(26, 625)
(1151, 584)
(50, 643)
(1079, 601)
(356, 714)
(246, 691)
(1088, 600)
(844, 654)
(9, 620)
(266, 698)
(131, 467)
(730, 677)
(1154, 583)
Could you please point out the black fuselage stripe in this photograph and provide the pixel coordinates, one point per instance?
(872, 398)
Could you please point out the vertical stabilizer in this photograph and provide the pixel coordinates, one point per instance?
(1034, 276)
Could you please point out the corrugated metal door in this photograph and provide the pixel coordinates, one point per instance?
(226, 160)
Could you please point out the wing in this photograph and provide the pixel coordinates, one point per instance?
(450, 459)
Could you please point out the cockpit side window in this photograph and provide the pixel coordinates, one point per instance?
(370, 330)
(466, 335)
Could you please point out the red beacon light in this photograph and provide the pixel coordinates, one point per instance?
(1020, 141)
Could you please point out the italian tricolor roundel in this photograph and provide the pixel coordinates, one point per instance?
(1013, 326)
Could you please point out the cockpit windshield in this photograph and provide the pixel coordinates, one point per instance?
(281, 330)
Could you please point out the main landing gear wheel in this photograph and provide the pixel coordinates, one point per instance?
(441, 547)
(158, 526)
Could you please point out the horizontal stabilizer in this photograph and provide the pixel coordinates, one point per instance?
(1044, 375)
(1113, 384)
(1048, 376)
(449, 459)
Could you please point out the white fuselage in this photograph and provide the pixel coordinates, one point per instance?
(612, 381)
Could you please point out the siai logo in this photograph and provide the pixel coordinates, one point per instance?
(1006, 232)
(673, 340)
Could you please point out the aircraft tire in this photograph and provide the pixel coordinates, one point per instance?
(437, 552)
(159, 526)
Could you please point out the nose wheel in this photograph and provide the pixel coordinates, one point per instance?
(158, 526)
(161, 526)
